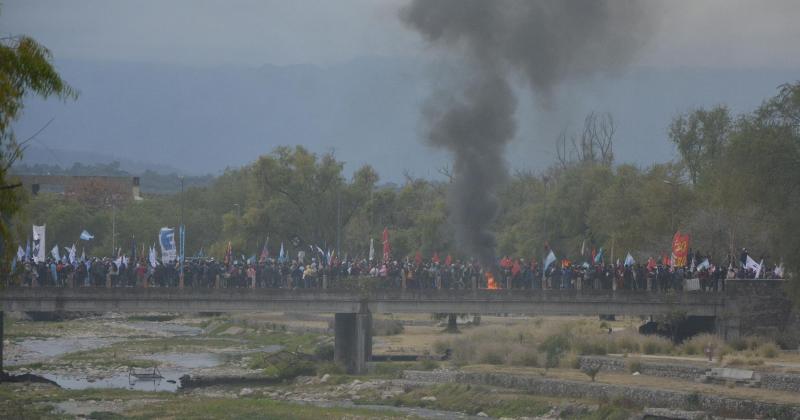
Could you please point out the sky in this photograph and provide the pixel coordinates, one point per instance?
(741, 38)
(715, 33)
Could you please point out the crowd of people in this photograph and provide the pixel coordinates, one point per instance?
(411, 273)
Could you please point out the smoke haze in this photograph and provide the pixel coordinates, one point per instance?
(547, 43)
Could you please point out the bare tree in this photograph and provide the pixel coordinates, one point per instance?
(594, 145)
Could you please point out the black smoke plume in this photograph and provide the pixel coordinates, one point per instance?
(546, 42)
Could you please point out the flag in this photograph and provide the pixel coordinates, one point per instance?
(20, 253)
(680, 249)
(651, 264)
(28, 249)
(182, 232)
(516, 269)
(629, 260)
(551, 258)
(166, 238)
(252, 259)
(778, 270)
(54, 252)
(598, 258)
(594, 254)
(72, 252)
(448, 260)
(435, 258)
(387, 247)
(38, 253)
(583, 248)
(282, 254)
(418, 258)
(752, 265)
(153, 257)
(371, 249)
(264, 252)
(705, 264)
(85, 235)
(665, 260)
(83, 254)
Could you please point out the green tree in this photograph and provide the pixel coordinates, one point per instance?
(26, 68)
(701, 136)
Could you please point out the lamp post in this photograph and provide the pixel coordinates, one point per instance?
(182, 233)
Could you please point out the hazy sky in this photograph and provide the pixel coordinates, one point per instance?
(710, 33)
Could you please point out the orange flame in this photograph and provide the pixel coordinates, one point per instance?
(490, 283)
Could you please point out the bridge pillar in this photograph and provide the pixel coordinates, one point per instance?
(1, 343)
(353, 341)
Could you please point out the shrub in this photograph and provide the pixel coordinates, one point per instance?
(738, 344)
(386, 327)
(634, 366)
(492, 355)
(591, 371)
(428, 364)
(324, 352)
(769, 350)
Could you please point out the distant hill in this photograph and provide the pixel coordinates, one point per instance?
(202, 120)
(151, 182)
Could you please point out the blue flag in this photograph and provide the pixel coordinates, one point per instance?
(599, 257)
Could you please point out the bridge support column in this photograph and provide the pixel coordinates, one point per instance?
(1, 343)
(728, 327)
(353, 341)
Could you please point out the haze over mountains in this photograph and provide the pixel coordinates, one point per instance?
(202, 119)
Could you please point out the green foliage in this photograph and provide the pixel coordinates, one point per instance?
(26, 69)
(554, 348)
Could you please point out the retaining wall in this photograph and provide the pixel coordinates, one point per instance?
(645, 397)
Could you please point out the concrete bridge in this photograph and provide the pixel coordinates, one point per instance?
(353, 308)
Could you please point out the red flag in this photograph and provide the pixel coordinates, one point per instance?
(448, 260)
(680, 248)
(387, 248)
(435, 258)
(418, 258)
(594, 255)
(665, 260)
(506, 262)
(651, 264)
(515, 269)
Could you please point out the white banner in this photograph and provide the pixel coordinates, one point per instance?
(166, 238)
(38, 252)
(691, 284)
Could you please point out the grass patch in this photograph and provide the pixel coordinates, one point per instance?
(472, 400)
(249, 408)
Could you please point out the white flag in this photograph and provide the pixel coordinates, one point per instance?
(705, 264)
(751, 264)
(629, 260)
(54, 252)
(38, 253)
(153, 257)
(551, 258)
(20, 253)
(72, 252)
(371, 249)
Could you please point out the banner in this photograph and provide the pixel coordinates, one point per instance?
(166, 238)
(387, 247)
(680, 249)
(56, 255)
(38, 253)
(86, 236)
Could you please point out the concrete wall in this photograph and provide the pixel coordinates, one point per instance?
(755, 307)
(645, 397)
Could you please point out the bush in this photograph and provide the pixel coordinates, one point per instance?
(634, 366)
(428, 364)
(769, 350)
(324, 352)
(738, 344)
(387, 327)
(591, 372)
(492, 355)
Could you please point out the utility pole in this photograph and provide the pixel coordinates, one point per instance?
(338, 221)
(113, 229)
(182, 231)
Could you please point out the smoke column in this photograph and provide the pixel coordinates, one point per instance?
(546, 42)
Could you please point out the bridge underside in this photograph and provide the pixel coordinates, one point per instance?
(353, 309)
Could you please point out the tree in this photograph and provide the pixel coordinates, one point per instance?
(25, 68)
(701, 136)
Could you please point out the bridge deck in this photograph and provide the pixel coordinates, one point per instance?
(534, 302)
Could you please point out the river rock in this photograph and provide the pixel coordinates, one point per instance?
(324, 378)
(482, 414)
(429, 398)
(245, 391)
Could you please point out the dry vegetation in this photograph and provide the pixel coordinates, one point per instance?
(559, 341)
